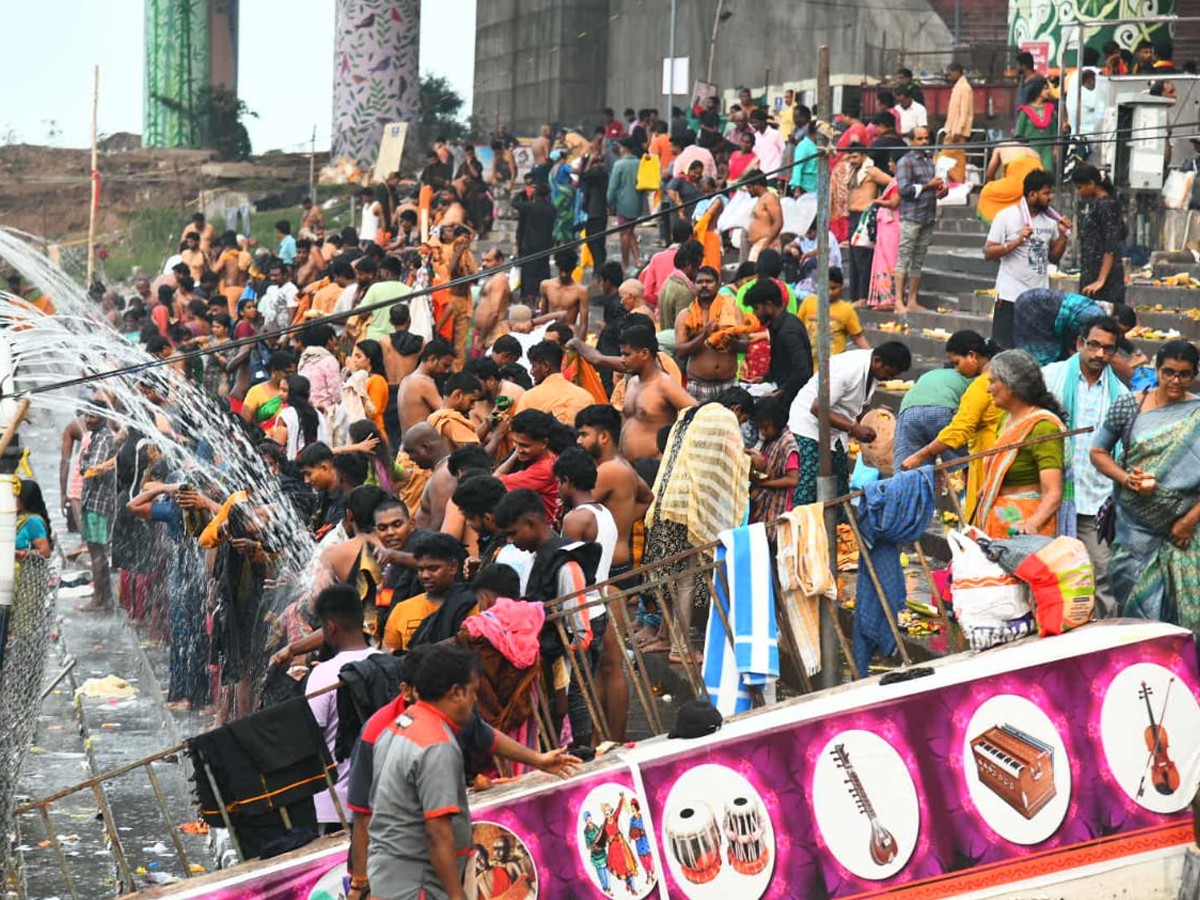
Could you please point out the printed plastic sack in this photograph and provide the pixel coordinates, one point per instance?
(878, 453)
(986, 598)
(649, 174)
(1063, 583)
(982, 637)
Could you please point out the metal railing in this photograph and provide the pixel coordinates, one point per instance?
(660, 580)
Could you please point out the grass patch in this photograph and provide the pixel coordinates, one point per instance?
(150, 235)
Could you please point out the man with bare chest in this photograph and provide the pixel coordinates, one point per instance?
(308, 264)
(495, 296)
(706, 337)
(564, 295)
(652, 398)
(766, 219)
(418, 396)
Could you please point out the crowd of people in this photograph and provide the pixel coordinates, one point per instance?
(484, 459)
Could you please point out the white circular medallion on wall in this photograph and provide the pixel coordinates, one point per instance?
(1016, 768)
(1149, 723)
(717, 837)
(866, 804)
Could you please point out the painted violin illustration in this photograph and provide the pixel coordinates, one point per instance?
(883, 845)
(1159, 765)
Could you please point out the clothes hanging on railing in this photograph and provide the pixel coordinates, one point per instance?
(894, 511)
(802, 560)
(749, 603)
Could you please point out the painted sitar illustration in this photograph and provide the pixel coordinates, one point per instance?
(883, 845)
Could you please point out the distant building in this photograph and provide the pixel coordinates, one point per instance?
(563, 61)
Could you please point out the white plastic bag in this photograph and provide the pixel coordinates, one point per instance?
(1177, 189)
(736, 213)
(985, 596)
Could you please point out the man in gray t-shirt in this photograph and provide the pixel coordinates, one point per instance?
(420, 833)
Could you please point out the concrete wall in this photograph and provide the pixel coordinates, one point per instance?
(761, 35)
(540, 61)
(565, 60)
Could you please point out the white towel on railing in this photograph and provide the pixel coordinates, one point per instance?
(750, 605)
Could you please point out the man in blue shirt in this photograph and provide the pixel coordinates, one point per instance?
(1086, 386)
(287, 243)
(920, 190)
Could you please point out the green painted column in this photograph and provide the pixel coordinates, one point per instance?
(177, 68)
(1048, 22)
(376, 73)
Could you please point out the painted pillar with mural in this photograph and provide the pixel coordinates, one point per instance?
(1041, 26)
(190, 45)
(376, 75)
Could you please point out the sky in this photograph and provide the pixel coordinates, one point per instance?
(287, 78)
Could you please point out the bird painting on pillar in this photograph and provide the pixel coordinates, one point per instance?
(376, 78)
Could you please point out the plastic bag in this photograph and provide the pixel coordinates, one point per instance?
(1063, 583)
(649, 174)
(1177, 189)
(986, 598)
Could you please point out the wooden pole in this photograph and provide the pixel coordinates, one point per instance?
(865, 558)
(312, 167)
(830, 674)
(95, 183)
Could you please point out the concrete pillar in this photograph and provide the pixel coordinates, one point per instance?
(376, 74)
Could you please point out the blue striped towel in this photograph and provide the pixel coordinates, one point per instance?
(750, 606)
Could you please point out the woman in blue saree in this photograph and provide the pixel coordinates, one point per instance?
(1155, 564)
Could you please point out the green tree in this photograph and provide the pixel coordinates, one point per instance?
(439, 111)
(216, 121)
(221, 125)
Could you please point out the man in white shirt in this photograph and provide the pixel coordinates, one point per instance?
(768, 146)
(853, 377)
(1085, 99)
(340, 612)
(1026, 240)
(909, 113)
(1086, 386)
(279, 301)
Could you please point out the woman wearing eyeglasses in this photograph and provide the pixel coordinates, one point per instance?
(1155, 564)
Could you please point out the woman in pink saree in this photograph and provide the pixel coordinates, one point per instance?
(887, 244)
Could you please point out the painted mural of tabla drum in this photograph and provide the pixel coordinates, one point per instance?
(695, 841)
(745, 834)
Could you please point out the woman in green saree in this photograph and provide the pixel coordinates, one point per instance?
(1155, 564)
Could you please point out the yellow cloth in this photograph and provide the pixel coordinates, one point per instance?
(410, 492)
(707, 484)
(707, 236)
(1007, 191)
(843, 323)
(211, 536)
(557, 396)
(802, 560)
(455, 428)
(974, 426)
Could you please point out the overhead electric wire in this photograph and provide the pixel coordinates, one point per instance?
(753, 176)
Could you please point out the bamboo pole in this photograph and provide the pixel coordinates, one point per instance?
(95, 179)
(943, 616)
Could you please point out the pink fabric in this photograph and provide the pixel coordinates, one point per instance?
(657, 271)
(324, 376)
(512, 627)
